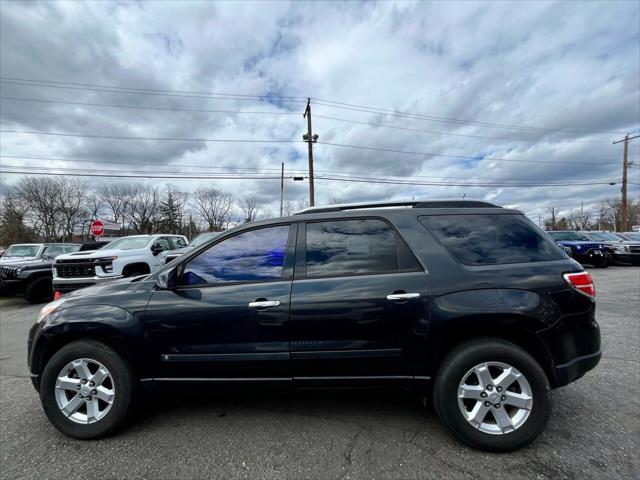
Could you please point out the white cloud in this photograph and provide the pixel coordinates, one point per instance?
(560, 66)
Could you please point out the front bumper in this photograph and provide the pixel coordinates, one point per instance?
(65, 285)
(633, 258)
(10, 287)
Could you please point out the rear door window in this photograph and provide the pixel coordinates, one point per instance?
(355, 247)
(492, 239)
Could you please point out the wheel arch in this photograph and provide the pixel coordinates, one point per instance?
(517, 330)
(115, 327)
(136, 267)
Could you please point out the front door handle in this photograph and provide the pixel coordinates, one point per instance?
(264, 304)
(402, 296)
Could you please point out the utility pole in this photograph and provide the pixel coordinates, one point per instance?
(310, 138)
(625, 164)
(282, 189)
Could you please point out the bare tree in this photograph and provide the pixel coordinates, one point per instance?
(249, 208)
(214, 206)
(553, 212)
(70, 203)
(116, 198)
(12, 218)
(143, 209)
(39, 195)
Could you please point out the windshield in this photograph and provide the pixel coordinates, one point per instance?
(632, 235)
(569, 236)
(22, 251)
(128, 243)
(54, 250)
(604, 236)
(203, 238)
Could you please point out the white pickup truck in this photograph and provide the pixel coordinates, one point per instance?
(124, 257)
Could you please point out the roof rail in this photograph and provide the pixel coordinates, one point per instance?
(401, 204)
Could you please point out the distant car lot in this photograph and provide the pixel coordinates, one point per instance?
(593, 433)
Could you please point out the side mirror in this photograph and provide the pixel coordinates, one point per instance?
(157, 248)
(167, 279)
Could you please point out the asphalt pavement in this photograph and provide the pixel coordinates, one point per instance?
(594, 432)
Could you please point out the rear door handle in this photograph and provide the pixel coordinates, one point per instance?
(264, 304)
(402, 296)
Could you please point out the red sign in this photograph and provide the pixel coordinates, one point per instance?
(97, 228)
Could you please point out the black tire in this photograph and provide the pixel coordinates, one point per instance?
(126, 388)
(134, 272)
(602, 262)
(39, 291)
(466, 356)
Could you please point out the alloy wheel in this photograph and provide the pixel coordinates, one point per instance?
(495, 398)
(84, 391)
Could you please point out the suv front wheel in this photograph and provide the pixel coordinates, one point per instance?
(493, 395)
(87, 390)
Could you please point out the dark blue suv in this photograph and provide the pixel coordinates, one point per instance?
(462, 301)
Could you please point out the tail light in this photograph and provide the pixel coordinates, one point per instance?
(582, 282)
(57, 295)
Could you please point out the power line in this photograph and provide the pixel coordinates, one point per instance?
(265, 98)
(137, 107)
(123, 137)
(345, 120)
(298, 98)
(426, 154)
(118, 174)
(260, 170)
(384, 111)
(465, 184)
(340, 145)
(455, 134)
(280, 98)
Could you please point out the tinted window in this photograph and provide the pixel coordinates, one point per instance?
(55, 250)
(22, 251)
(203, 238)
(351, 247)
(492, 239)
(568, 236)
(163, 243)
(256, 255)
(603, 237)
(179, 242)
(130, 243)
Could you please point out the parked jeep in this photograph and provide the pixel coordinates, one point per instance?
(30, 276)
(125, 257)
(464, 302)
(583, 249)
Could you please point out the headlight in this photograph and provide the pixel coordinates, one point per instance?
(621, 249)
(17, 271)
(49, 308)
(106, 259)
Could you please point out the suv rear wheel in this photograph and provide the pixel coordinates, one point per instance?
(87, 390)
(493, 395)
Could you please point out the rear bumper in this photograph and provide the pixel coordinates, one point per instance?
(574, 345)
(576, 368)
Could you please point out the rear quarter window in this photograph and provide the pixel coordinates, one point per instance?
(492, 239)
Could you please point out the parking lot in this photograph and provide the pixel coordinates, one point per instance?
(594, 431)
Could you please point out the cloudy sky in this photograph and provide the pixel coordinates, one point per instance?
(500, 94)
